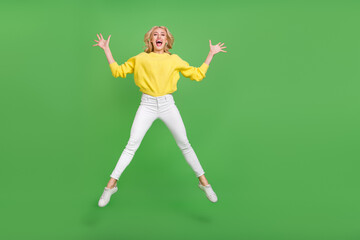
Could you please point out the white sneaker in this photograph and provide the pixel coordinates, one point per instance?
(105, 197)
(210, 194)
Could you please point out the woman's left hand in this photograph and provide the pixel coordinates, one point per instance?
(214, 49)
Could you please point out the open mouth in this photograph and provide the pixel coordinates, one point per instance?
(158, 43)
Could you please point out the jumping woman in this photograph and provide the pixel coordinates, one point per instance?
(156, 73)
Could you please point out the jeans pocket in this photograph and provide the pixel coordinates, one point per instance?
(144, 100)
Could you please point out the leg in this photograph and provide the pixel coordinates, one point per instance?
(144, 118)
(173, 121)
(112, 182)
(203, 180)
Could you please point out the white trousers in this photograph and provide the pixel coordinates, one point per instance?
(150, 109)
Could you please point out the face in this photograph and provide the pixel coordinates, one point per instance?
(158, 39)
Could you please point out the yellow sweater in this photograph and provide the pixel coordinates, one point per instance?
(157, 74)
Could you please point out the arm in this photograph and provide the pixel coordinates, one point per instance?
(194, 73)
(198, 74)
(123, 69)
(116, 70)
(109, 55)
(209, 58)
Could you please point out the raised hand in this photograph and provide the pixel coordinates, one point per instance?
(214, 49)
(104, 44)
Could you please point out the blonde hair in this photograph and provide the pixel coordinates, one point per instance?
(147, 39)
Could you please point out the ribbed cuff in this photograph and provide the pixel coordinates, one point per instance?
(113, 67)
(204, 67)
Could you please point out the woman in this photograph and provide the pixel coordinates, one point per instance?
(156, 72)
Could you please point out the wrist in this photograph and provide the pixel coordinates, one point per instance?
(211, 53)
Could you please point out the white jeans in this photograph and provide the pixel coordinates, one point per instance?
(150, 109)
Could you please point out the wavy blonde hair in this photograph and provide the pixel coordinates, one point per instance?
(147, 39)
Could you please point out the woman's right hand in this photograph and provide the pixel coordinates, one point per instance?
(104, 44)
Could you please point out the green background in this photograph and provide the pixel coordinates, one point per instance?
(275, 123)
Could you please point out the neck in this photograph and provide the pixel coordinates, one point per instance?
(159, 51)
